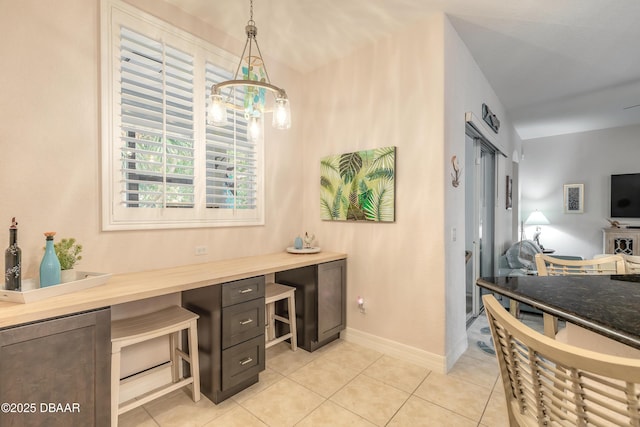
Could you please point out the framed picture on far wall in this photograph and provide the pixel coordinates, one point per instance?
(573, 198)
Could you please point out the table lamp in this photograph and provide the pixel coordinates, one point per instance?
(537, 218)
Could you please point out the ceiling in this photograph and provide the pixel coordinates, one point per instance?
(558, 66)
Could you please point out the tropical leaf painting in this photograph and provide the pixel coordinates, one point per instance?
(359, 186)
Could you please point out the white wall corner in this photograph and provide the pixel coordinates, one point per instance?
(431, 361)
(458, 350)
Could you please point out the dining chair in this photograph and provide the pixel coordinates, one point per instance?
(547, 382)
(632, 263)
(548, 265)
(573, 334)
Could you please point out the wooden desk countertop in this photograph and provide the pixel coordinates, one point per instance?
(128, 287)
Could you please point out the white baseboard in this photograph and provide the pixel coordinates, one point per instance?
(144, 382)
(398, 350)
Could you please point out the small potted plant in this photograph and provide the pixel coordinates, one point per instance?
(68, 253)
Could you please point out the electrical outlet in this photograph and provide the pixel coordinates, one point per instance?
(201, 250)
(361, 304)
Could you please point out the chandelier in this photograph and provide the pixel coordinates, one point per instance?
(255, 80)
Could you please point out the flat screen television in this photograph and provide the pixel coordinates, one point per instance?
(625, 195)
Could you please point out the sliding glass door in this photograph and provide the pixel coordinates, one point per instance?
(480, 196)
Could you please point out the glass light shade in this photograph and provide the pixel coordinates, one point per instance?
(281, 114)
(537, 218)
(254, 130)
(217, 111)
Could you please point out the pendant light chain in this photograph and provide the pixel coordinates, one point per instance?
(252, 33)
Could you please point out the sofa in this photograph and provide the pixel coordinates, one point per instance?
(519, 259)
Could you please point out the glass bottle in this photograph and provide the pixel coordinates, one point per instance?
(50, 265)
(13, 260)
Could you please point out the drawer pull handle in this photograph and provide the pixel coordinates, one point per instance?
(245, 361)
(246, 322)
(246, 290)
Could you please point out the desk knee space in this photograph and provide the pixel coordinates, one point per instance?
(168, 322)
(275, 292)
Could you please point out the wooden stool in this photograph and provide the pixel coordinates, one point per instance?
(275, 292)
(169, 321)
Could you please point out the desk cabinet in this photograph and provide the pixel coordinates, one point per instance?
(321, 310)
(56, 372)
(230, 335)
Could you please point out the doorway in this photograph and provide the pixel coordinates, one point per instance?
(480, 196)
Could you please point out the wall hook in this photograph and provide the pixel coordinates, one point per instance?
(457, 172)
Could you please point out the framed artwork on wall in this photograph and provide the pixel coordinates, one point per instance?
(509, 203)
(359, 186)
(574, 198)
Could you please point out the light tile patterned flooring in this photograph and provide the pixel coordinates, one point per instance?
(343, 384)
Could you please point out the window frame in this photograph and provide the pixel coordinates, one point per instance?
(115, 216)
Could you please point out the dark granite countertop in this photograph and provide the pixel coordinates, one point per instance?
(609, 305)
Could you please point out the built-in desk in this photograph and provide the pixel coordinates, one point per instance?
(128, 287)
(54, 354)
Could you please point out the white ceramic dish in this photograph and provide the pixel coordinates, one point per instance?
(312, 250)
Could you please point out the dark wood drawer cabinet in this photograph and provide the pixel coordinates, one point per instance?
(230, 335)
(56, 372)
(321, 310)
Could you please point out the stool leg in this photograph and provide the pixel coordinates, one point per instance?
(271, 308)
(266, 323)
(115, 385)
(292, 322)
(175, 360)
(194, 362)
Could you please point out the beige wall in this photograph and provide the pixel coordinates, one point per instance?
(411, 90)
(387, 94)
(49, 139)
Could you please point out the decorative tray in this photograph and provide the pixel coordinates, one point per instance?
(31, 290)
(312, 250)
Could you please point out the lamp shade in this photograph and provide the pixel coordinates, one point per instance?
(537, 218)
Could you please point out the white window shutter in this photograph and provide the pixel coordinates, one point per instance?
(163, 166)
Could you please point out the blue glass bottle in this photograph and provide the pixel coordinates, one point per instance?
(50, 265)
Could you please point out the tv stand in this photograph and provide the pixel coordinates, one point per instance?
(621, 240)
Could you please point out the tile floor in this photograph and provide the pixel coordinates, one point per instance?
(343, 384)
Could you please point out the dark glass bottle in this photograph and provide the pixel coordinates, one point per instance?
(13, 260)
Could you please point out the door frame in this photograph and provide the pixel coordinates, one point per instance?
(476, 131)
